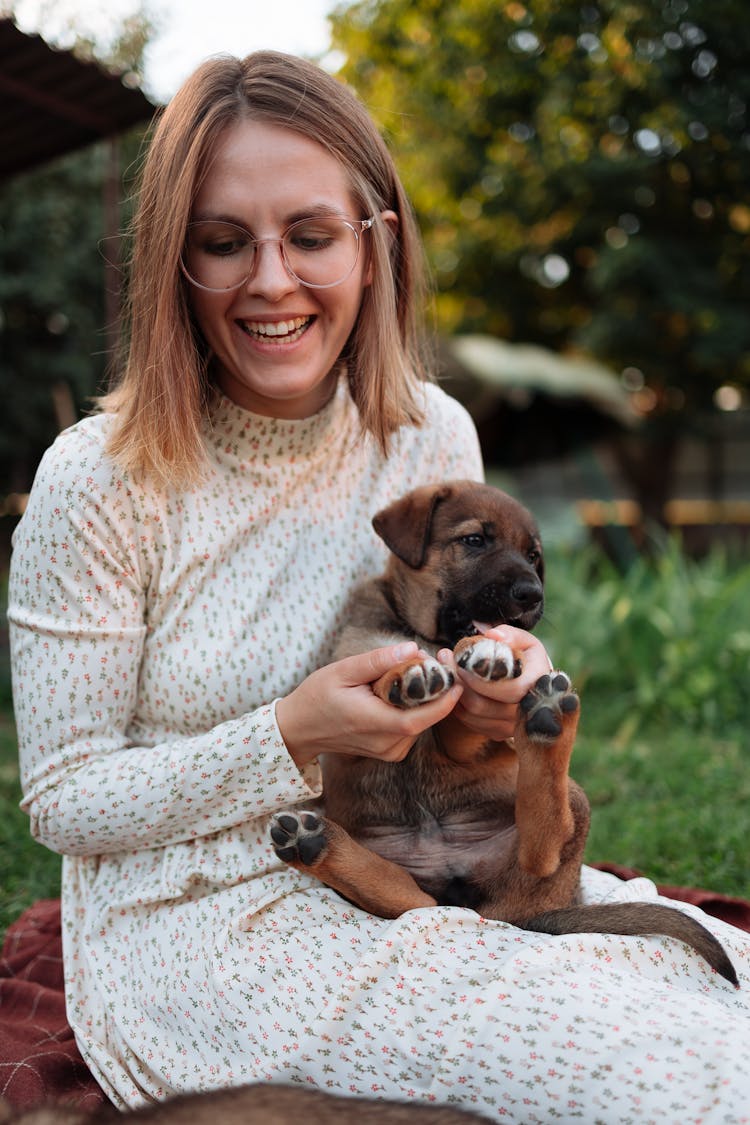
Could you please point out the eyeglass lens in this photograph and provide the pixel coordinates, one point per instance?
(318, 252)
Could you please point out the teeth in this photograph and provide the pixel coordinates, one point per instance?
(286, 328)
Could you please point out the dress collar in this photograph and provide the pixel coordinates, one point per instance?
(238, 434)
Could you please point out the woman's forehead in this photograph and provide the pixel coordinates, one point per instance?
(277, 171)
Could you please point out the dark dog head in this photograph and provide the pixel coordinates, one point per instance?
(462, 552)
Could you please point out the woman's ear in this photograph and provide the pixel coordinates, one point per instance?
(390, 218)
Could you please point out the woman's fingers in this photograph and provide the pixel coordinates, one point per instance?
(367, 667)
(527, 648)
(335, 710)
(490, 706)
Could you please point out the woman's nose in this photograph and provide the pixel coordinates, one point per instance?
(270, 277)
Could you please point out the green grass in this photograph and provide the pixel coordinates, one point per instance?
(29, 871)
(660, 657)
(676, 807)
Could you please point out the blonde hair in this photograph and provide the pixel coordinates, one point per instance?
(163, 393)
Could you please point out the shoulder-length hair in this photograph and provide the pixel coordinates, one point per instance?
(164, 388)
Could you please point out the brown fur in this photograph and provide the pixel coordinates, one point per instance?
(266, 1104)
(499, 827)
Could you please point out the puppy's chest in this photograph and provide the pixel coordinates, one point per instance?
(424, 798)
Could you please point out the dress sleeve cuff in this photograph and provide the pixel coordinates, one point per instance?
(308, 779)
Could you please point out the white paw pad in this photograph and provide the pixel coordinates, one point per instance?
(490, 660)
(420, 683)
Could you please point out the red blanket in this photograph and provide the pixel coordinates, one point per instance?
(39, 1059)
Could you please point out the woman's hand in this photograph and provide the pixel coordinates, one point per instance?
(335, 710)
(491, 708)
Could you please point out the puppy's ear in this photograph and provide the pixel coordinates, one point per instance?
(404, 526)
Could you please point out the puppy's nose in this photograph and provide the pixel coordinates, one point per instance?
(526, 592)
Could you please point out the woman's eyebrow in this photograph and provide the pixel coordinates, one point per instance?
(313, 211)
(317, 211)
(216, 217)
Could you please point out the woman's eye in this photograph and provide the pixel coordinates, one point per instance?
(310, 241)
(225, 247)
(473, 540)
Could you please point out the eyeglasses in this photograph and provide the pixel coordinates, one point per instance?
(319, 252)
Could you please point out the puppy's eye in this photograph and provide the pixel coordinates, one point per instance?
(473, 540)
(534, 555)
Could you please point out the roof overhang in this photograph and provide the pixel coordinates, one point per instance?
(52, 102)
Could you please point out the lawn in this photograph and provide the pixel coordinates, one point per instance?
(660, 657)
(29, 871)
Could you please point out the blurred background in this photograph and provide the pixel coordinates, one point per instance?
(580, 172)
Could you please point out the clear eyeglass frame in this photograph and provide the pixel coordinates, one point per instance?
(356, 226)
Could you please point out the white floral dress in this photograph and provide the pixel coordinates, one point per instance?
(151, 633)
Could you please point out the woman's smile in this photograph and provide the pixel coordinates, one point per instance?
(277, 332)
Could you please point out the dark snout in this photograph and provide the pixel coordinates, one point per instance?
(514, 595)
(511, 599)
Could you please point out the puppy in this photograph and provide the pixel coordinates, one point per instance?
(497, 827)
(263, 1104)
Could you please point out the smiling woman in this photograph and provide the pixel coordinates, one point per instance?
(179, 581)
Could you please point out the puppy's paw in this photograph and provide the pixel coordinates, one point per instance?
(545, 708)
(486, 658)
(414, 682)
(298, 836)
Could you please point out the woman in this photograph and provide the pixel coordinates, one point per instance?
(178, 581)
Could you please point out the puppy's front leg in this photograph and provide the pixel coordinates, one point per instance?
(322, 848)
(413, 682)
(490, 660)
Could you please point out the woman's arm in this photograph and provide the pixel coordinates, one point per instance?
(78, 624)
(79, 617)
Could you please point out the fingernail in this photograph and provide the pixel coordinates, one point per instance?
(497, 630)
(403, 651)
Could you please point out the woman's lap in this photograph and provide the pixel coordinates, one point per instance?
(437, 1004)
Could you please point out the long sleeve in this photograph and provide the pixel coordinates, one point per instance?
(78, 613)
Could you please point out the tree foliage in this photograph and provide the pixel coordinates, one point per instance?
(55, 321)
(580, 170)
(52, 301)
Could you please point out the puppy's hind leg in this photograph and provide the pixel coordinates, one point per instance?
(322, 848)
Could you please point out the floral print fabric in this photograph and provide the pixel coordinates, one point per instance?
(151, 634)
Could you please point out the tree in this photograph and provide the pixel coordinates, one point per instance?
(52, 302)
(55, 321)
(580, 171)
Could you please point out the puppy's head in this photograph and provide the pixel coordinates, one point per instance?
(462, 552)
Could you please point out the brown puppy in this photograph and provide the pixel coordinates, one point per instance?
(266, 1104)
(498, 827)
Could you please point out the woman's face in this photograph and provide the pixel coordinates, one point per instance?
(275, 342)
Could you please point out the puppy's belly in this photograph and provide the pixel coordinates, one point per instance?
(448, 858)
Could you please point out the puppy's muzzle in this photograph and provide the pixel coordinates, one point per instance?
(520, 602)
